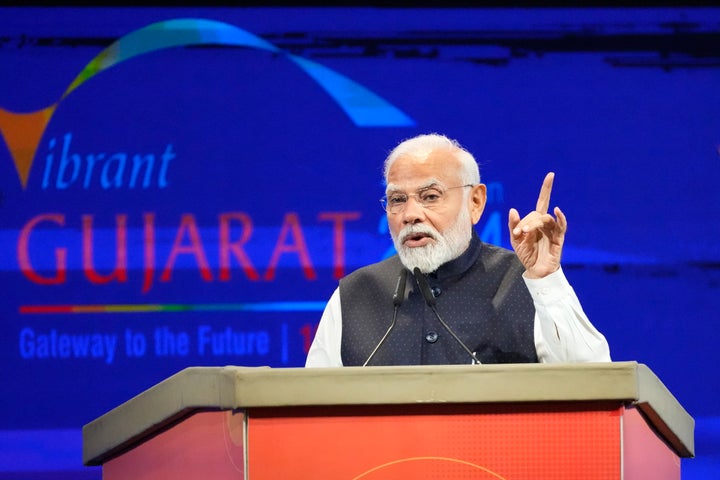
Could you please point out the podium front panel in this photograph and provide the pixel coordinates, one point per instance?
(542, 442)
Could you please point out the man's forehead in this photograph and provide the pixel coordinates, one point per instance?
(413, 173)
(434, 163)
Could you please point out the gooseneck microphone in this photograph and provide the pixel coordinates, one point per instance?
(431, 301)
(398, 298)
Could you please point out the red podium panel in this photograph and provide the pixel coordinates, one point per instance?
(540, 442)
(391, 422)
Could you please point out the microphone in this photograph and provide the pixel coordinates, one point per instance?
(431, 301)
(399, 294)
(398, 298)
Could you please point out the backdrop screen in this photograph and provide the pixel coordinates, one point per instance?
(185, 187)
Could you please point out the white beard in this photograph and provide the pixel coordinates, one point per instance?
(446, 246)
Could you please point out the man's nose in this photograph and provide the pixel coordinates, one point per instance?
(414, 210)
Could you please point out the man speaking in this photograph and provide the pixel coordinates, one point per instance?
(447, 297)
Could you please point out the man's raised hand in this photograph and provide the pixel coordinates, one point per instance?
(538, 237)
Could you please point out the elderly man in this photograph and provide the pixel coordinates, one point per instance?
(447, 297)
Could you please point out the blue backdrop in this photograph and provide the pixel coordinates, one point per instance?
(185, 187)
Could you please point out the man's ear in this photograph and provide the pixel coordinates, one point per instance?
(477, 199)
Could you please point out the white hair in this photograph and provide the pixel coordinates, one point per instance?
(422, 146)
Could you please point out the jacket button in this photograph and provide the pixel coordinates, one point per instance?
(436, 291)
(431, 337)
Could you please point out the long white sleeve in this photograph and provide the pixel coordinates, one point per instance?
(563, 332)
(325, 348)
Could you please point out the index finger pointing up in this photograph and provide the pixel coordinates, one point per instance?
(544, 199)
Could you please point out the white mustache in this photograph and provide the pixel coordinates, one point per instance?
(411, 230)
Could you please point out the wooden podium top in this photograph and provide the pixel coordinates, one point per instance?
(226, 388)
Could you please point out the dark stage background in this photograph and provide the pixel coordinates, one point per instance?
(184, 187)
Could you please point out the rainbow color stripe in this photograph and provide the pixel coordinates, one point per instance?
(308, 306)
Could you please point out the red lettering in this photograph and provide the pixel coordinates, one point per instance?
(236, 247)
(291, 225)
(189, 227)
(23, 254)
(120, 271)
(149, 250)
(338, 219)
(235, 231)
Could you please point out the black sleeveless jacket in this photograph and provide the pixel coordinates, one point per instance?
(480, 295)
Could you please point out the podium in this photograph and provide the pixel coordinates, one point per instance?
(520, 421)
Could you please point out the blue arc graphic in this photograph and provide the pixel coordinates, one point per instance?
(365, 108)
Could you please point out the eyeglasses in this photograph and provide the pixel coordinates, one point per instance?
(430, 197)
